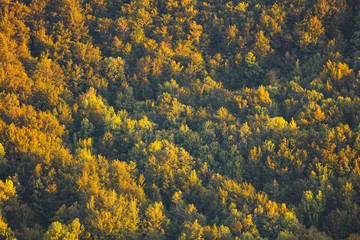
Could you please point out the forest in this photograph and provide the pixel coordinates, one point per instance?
(180, 119)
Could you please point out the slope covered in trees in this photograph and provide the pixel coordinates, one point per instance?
(179, 119)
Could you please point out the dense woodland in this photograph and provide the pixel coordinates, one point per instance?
(180, 119)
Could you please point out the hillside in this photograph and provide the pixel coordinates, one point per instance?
(180, 119)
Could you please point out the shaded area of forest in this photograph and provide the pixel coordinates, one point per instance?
(179, 119)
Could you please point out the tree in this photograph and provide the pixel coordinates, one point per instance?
(49, 84)
(5, 232)
(337, 74)
(59, 231)
(310, 31)
(170, 168)
(262, 46)
(156, 221)
(71, 15)
(193, 231)
(311, 207)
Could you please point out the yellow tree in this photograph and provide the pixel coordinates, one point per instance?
(337, 74)
(310, 31)
(5, 232)
(273, 19)
(155, 222)
(49, 84)
(170, 168)
(58, 231)
(7, 192)
(71, 15)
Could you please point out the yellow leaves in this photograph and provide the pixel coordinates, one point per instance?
(255, 154)
(197, 63)
(210, 85)
(292, 124)
(172, 4)
(164, 51)
(175, 68)
(51, 189)
(231, 192)
(337, 70)
(92, 106)
(193, 179)
(196, 31)
(114, 69)
(343, 133)
(38, 146)
(278, 123)
(272, 209)
(241, 7)
(7, 190)
(59, 231)
(193, 231)
(183, 49)
(242, 103)
(13, 79)
(185, 3)
(147, 67)
(140, 16)
(49, 84)
(86, 53)
(145, 123)
(12, 24)
(311, 206)
(308, 195)
(155, 146)
(170, 167)
(120, 177)
(273, 19)
(247, 222)
(223, 115)
(262, 46)
(156, 220)
(85, 143)
(314, 24)
(113, 204)
(245, 130)
(111, 215)
(240, 221)
(270, 163)
(5, 232)
(10, 51)
(177, 199)
(231, 33)
(337, 73)
(71, 12)
(290, 219)
(257, 97)
(190, 11)
(117, 46)
(223, 195)
(97, 177)
(313, 114)
(319, 115)
(319, 196)
(310, 31)
(328, 8)
(170, 109)
(151, 45)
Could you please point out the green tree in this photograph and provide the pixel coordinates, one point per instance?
(311, 207)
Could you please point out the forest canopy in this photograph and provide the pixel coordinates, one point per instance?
(179, 119)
